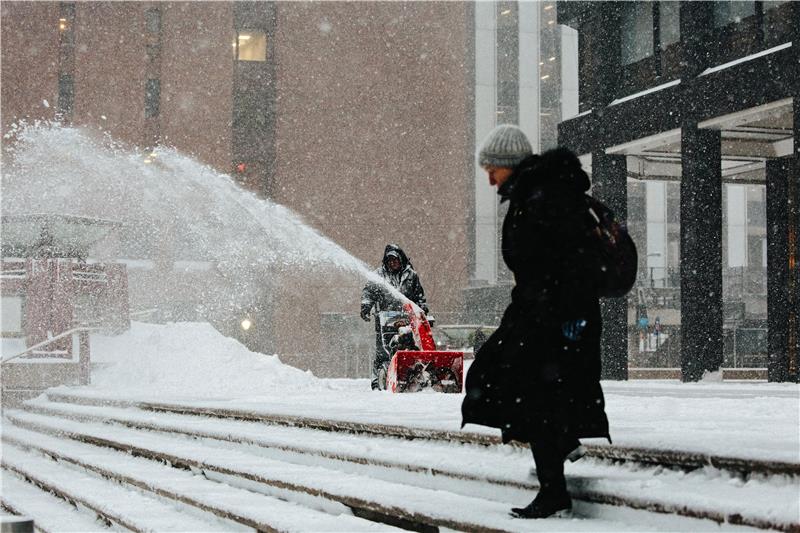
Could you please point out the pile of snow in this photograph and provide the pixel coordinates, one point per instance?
(188, 360)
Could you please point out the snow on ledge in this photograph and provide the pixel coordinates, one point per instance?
(746, 58)
(645, 92)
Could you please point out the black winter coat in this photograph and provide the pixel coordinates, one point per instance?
(529, 378)
(406, 281)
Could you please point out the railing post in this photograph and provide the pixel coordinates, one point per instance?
(16, 524)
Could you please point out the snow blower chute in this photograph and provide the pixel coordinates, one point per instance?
(416, 364)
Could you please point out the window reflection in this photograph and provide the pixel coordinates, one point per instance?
(772, 4)
(669, 23)
(730, 12)
(637, 32)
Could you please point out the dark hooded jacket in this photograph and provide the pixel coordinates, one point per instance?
(405, 280)
(528, 377)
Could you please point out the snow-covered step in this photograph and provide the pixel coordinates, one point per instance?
(357, 491)
(52, 513)
(232, 504)
(461, 468)
(669, 458)
(405, 504)
(123, 506)
(501, 466)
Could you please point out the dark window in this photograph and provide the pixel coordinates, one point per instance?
(66, 93)
(507, 66)
(637, 32)
(778, 22)
(773, 4)
(153, 51)
(152, 20)
(152, 98)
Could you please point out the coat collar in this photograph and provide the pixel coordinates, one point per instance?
(506, 190)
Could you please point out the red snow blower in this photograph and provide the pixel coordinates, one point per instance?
(416, 364)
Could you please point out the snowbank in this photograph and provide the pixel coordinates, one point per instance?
(191, 360)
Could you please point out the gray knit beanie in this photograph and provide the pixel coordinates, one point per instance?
(505, 146)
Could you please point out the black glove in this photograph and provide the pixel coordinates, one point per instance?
(365, 309)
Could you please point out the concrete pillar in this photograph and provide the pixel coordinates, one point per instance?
(609, 185)
(781, 320)
(794, 241)
(701, 252)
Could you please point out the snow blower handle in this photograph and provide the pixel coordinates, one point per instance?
(420, 327)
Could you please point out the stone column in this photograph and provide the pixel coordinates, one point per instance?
(794, 240)
(701, 252)
(781, 320)
(609, 185)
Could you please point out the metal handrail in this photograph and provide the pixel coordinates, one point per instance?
(48, 341)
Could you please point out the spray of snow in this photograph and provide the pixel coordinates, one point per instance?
(171, 206)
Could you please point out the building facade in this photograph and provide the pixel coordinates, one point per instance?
(519, 78)
(688, 115)
(358, 116)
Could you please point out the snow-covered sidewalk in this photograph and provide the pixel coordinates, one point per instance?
(193, 363)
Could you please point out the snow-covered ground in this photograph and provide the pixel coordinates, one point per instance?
(192, 362)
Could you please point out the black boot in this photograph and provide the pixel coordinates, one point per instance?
(553, 496)
(544, 505)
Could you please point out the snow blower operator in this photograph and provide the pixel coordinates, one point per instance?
(398, 272)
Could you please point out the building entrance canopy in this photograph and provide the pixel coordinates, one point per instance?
(749, 138)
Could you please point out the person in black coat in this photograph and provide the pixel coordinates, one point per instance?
(397, 271)
(537, 377)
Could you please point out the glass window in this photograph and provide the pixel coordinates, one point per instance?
(637, 31)
(673, 213)
(153, 51)
(755, 252)
(152, 98)
(11, 315)
(756, 206)
(507, 63)
(772, 4)
(731, 12)
(66, 93)
(669, 23)
(737, 225)
(251, 46)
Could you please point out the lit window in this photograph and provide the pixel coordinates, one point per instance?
(250, 46)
